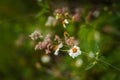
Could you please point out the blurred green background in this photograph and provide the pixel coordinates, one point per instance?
(19, 60)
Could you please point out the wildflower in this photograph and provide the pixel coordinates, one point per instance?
(58, 16)
(64, 22)
(76, 17)
(45, 58)
(35, 35)
(57, 48)
(41, 45)
(48, 38)
(57, 11)
(51, 21)
(47, 51)
(70, 41)
(74, 51)
(58, 39)
(78, 62)
(64, 10)
(91, 54)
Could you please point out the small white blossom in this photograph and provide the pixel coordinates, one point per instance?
(45, 58)
(57, 16)
(35, 35)
(96, 13)
(74, 51)
(51, 21)
(91, 54)
(64, 22)
(78, 62)
(58, 48)
(64, 25)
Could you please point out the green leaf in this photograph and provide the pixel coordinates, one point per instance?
(89, 66)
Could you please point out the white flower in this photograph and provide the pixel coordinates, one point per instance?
(78, 62)
(45, 58)
(57, 17)
(35, 35)
(51, 21)
(96, 13)
(91, 54)
(74, 51)
(57, 48)
(64, 22)
(64, 25)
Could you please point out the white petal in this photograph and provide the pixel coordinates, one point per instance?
(66, 21)
(57, 17)
(60, 45)
(73, 55)
(45, 59)
(64, 25)
(56, 52)
(78, 62)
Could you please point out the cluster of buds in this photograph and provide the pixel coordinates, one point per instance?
(55, 44)
(65, 17)
(62, 15)
(45, 44)
(36, 35)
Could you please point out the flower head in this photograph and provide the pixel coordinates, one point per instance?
(58, 39)
(58, 15)
(70, 41)
(78, 62)
(45, 58)
(35, 35)
(64, 22)
(51, 21)
(57, 48)
(74, 51)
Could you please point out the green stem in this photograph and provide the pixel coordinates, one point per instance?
(64, 50)
(109, 64)
(98, 59)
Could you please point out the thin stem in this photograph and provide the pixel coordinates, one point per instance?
(64, 50)
(109, 64)
(84, 52)
(66, 46)
(97, 59)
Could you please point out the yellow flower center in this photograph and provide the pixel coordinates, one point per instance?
(55, 47)
(59, 15)
(74, 50)
(65, 34)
